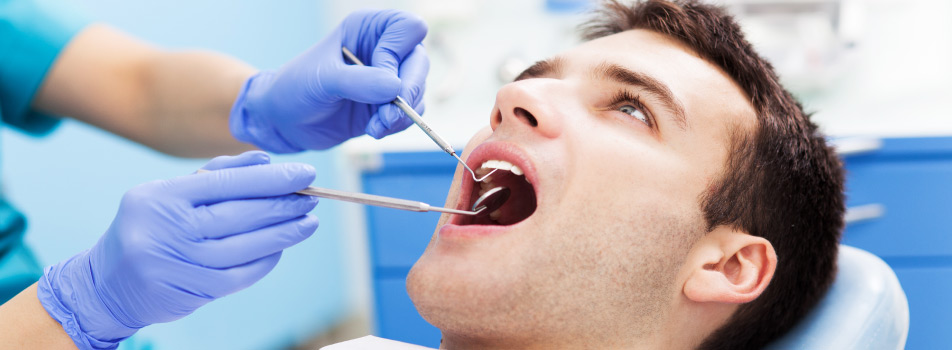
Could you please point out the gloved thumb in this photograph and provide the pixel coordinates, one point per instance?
(370, 85)
(244, 159)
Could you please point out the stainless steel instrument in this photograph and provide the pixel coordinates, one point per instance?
(418, 120)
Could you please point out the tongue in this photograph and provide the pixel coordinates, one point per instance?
(522, 200)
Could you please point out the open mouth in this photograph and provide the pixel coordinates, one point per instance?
(522, 200)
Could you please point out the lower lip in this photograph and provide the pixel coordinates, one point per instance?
(471, 231)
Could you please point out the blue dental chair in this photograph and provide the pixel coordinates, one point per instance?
(864, 309)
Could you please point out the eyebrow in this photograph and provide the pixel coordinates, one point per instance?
(617, 73)
(551, 66)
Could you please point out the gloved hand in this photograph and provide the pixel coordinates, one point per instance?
(319, 99)
(178, 244)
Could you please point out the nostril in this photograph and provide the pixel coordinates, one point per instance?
(522, 113)
(496, 118)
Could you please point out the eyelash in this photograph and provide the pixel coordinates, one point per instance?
(626, 98)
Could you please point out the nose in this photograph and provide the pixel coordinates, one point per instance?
(530, 104)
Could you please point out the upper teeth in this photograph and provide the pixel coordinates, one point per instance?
(502, 165)
(487, 184)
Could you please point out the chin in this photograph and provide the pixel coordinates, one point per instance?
(464, 299)
(441, 300)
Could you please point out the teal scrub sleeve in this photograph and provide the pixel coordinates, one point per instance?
(32, 33)
(18, 270)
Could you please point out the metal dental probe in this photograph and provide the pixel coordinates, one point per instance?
(381, 201)
(487, 203)
(403, 105)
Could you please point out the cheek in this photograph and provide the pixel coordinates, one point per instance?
(626, 259)
(631, 175)
(630, 203)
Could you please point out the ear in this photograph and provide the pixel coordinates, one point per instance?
(729, 266)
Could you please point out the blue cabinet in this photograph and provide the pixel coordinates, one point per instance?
(910, 179)
(397, 238)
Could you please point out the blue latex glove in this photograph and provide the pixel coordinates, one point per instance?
(178, 244)
(319, 99)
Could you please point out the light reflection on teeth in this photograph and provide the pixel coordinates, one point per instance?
(502, 165)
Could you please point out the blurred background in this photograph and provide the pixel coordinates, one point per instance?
(876, 72)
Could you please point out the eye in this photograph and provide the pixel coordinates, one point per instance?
(636, 113)
(629, 103)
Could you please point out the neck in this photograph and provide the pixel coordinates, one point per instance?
(617, 341)
(684, 331)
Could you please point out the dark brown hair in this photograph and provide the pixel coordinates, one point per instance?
(781, 181)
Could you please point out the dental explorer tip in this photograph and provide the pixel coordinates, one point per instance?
(471, 172)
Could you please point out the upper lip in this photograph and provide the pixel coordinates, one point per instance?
(494, 150)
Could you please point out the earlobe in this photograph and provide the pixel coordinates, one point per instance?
(729, 266)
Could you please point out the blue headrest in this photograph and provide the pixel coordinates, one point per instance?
(864, 309)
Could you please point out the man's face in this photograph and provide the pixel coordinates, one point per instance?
(619, 139)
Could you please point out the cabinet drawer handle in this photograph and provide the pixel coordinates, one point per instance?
(864, 213)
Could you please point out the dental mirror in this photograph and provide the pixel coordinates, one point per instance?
(491, 200)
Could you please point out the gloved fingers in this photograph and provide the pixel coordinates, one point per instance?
(221, 282)
(413, 73)
(258, 181)
(375, 127)
(241, 248)
(378, 130)
(244, 159)
(402, 32)
(389, 118)
(370, 85)
(232, 217)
